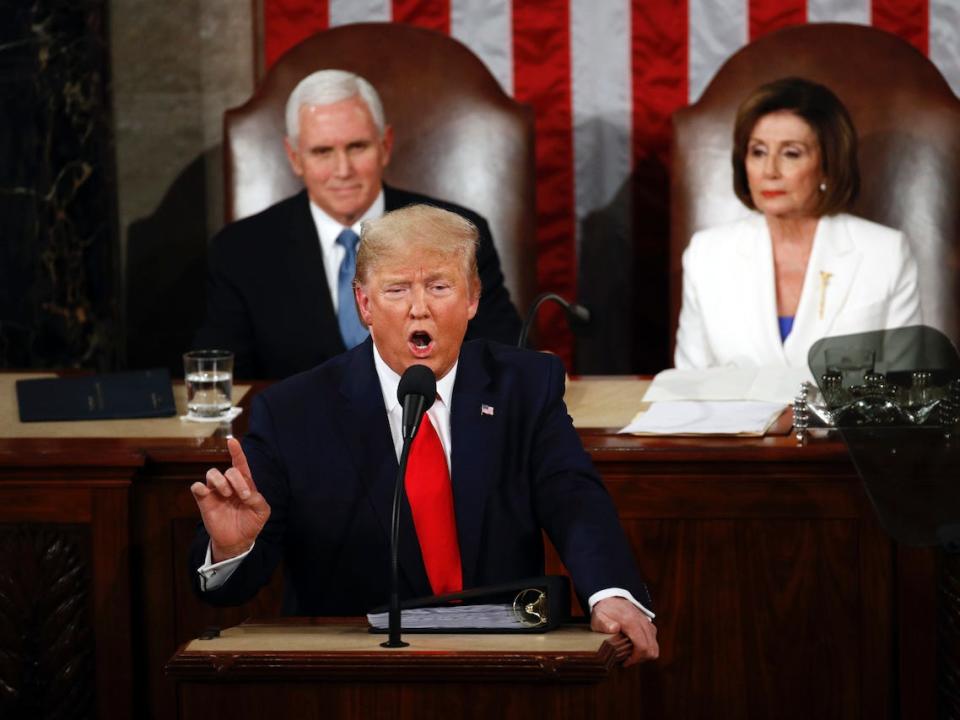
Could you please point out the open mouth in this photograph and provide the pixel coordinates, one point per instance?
(420, 342)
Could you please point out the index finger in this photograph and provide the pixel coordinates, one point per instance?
(239, 460)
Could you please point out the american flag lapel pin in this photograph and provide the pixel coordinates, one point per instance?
(486, 409)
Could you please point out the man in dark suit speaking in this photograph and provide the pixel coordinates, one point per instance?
(495, 462)
(279, 292)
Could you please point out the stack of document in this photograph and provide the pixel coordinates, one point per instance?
(706, 418)
(487, 617)
(766, 384)
(717, 401)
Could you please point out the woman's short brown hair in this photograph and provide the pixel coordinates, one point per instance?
(828, 118)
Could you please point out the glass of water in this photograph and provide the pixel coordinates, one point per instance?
(208, 375)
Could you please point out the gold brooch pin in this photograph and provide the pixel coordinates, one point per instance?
(824, 281)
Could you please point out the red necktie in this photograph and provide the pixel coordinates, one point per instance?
(431, 501)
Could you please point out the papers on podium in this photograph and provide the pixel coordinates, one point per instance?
(530, 605)
(747, 418)
(450, 618)
(763, 384)
(717, 401)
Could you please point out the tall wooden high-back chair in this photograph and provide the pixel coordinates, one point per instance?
(908, 122)
(458, 136)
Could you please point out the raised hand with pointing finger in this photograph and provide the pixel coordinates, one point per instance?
(233, 510)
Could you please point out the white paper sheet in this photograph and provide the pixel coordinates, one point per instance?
(766, 384)
(706, 418)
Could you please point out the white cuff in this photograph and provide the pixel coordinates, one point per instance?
(213, 575)
(617, 592)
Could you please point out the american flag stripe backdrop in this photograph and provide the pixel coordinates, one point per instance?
(604, 77)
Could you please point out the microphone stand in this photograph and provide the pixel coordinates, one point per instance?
(577, 315)
(394, 641)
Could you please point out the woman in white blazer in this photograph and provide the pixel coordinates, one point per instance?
(760, 291)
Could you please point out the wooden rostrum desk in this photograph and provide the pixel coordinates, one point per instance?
(331, 669)
(777, 593)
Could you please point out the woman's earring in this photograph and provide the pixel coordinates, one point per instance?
(823, 186)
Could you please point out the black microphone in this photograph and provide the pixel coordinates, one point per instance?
(577, 315)
(416, 392)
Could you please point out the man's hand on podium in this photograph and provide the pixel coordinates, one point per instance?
(617, 614)
(233, 511)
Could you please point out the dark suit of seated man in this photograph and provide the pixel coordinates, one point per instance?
(279, 291)
(495, 462)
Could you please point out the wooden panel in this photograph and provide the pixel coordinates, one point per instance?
(79, 590)
(878, 681)
(916, 604)
(948, 634)
(43, 503)
(412, 701)
(47, 667)
(755, 618)
(700, 493)
(111, 602)
(166, 611)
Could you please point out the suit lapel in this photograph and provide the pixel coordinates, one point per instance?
(305, 271)
(473, 433)
(368, 440)
(830, 274)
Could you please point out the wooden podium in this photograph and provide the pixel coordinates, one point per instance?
(777, 592)
(301, 668)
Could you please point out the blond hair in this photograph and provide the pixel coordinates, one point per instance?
(419, 226)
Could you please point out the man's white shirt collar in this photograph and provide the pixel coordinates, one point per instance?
(329, 229)
(439, 413)
(390, 381)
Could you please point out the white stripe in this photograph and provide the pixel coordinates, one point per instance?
(602, 101)
(945, 40)
(343, 12)
(850, 11)
(486, 27)
(718, 28)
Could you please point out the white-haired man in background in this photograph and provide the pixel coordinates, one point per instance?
(279, 287)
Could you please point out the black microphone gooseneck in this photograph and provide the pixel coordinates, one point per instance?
(577, 315)
(416, 392)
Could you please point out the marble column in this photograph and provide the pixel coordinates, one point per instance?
(58, 251)
(177, 65)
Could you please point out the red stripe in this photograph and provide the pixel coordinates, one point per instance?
(427, 14)
(541, 77)
(287, 22)
(659, 68)
(910, 19)
(769, 15)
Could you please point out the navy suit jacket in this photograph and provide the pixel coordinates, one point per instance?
(320, 451)
(269, 302)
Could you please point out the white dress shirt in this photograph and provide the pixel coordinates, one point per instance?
(213, 575)
(329, 230)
